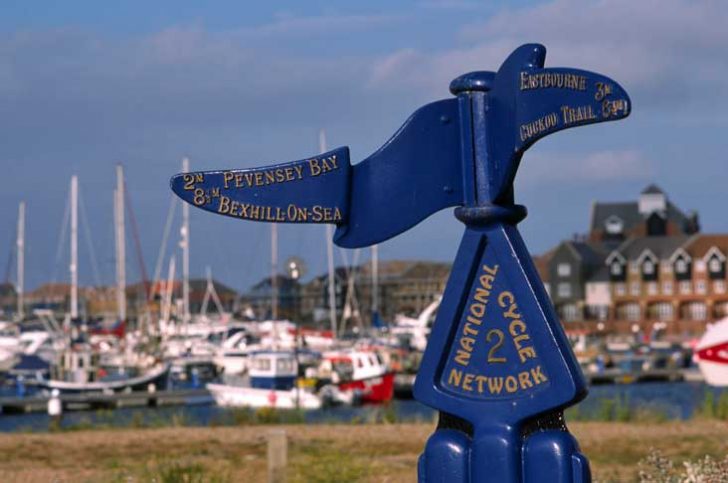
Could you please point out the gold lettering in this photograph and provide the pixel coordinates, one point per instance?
(537, 375)
(477, 309)
(227, 177)
(495, 385)
(481, 380)
(224, 206)
(503, 296)
(462, 357)
(468, 381)
(526, 353)
(490, 270)
(511, 384)
(524, 380)
(455, 378)
(314, 168)
(467, 343)
(234, 208)
(516, 327)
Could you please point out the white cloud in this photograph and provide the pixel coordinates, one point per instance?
(666, 52)
(597, 166)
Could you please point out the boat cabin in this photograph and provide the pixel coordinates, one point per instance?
(273, 370)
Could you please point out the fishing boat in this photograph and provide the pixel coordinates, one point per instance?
(79, 371)
(711, 353)
(359, 375)
(270, 382)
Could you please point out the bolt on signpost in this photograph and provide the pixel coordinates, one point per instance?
(498, 365)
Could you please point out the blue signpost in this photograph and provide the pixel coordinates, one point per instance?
(498, 365)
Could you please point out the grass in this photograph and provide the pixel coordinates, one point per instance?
(318, 453)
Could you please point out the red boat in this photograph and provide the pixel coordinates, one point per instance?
(359, 375)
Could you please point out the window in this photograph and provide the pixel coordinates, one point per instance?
(616, 269)
(667, 287)
(697, 311)
(284, 366)
(632, 311)
(619, 289)
(714, 265)
(700, 286)
(634, 288)
(685, 287)
(563, 269)
(564, 290)
(663, 311)
(681, 265)
(613, 225)
(652, 288)
(570, 312)
(648, 267)
(719, 286)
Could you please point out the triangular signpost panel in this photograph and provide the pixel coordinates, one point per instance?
(498, 365)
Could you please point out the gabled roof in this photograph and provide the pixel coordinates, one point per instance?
(629, 213)
(701, 244)
(663, 247)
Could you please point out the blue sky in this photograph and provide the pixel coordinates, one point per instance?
(87, 84)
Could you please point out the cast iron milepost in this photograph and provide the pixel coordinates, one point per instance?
(498, 365)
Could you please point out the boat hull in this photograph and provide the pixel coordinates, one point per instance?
(373, 390)
(249, 397)
(156, 378)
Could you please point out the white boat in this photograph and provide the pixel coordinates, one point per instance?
(711, 353)
(250, 397)
(270, 382)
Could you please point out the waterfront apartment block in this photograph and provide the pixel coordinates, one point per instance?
(643, 267)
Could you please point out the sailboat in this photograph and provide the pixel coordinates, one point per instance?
(81, 368)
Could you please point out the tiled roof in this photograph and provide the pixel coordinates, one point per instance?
(699, 245)
(662, 246)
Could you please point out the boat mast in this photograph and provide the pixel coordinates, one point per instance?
(74, 247)
(167, 307)
(120, 243)
(329, 254)
(21, 260)
(274, 270)
(185, 232)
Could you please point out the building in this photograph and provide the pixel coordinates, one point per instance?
(643, 266)
(404, 287)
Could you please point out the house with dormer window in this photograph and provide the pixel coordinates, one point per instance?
(653, 214)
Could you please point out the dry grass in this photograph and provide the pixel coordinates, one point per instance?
(316, 453)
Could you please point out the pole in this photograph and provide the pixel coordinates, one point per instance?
(21, 260)
(273, 269)
(329, 254)
(120, 243)
(185, 233)
(74, 247)
(166, 309)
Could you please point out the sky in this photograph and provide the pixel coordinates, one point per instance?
(85, 85)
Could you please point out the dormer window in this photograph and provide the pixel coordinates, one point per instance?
(716, 262)
(683, 266)
(616, 269)
(647, 262)
(617, 265)
(614, 225)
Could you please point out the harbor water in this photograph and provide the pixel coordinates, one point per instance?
(668, 400)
